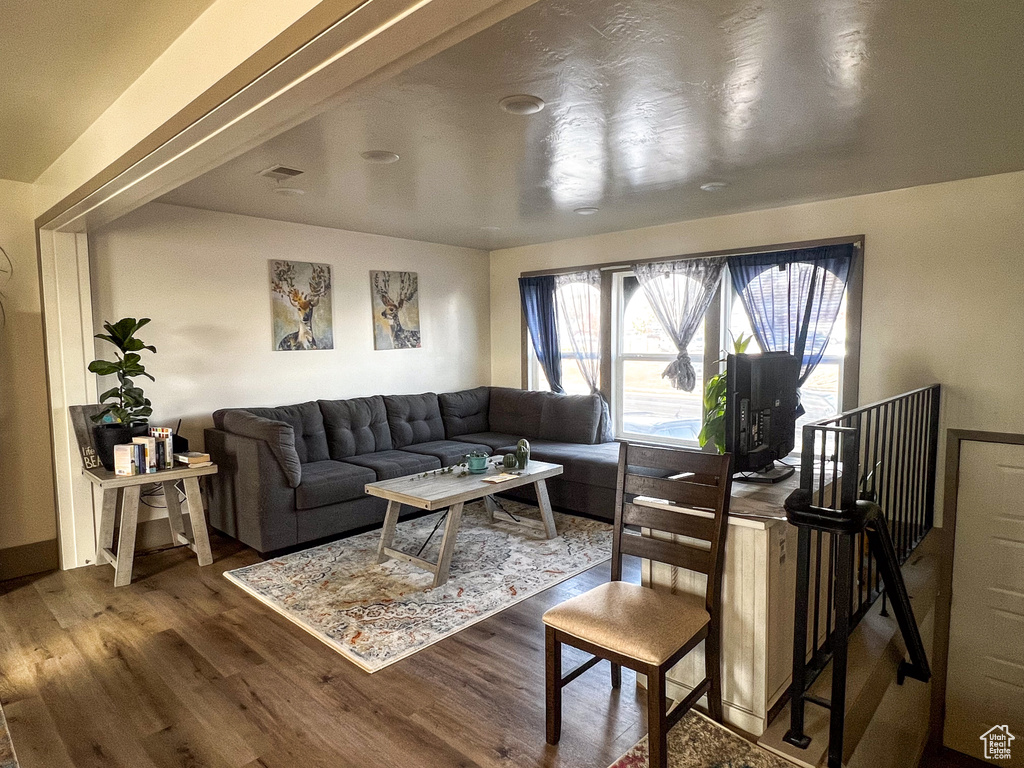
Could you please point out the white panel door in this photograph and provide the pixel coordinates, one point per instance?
(985, 682)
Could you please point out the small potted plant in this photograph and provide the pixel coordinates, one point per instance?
(715, 401)
(127, 409)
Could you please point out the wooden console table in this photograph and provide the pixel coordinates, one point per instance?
(124, 491)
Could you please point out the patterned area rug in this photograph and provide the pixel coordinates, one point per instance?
(376, 614)
(698, 742)
(7, 757)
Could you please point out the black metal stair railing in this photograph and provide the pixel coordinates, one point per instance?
(894, 467)
(867, 490)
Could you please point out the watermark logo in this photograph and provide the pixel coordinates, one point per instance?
(997, 742)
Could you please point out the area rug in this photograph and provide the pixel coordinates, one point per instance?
(698, 742)
(7, 757)
(376, 614)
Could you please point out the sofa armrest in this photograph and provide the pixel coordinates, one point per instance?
(249, 497)
(279, 436)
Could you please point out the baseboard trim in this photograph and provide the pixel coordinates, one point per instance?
(26, 559)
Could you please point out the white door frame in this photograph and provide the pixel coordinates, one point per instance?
(373, 43)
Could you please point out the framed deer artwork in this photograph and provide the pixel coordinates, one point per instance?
(395, 298)
(300, 294)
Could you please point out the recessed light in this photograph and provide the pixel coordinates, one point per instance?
(381, 156)
(586, 210)
(714, 186)
(289, 191)
(522, 104)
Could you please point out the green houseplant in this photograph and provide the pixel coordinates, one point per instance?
(126, 408)
(713, 429)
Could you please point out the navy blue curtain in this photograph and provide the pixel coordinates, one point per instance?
(538, 297)
(793, 298)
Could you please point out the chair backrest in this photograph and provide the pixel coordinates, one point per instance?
(698, 485)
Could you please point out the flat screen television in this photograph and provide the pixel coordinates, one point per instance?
(760, 413)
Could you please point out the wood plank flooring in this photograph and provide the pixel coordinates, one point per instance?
(184, 669)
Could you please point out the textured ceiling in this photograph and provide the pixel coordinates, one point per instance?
(787, 101)
(65, 61)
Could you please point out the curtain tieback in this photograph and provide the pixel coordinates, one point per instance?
(680, 372)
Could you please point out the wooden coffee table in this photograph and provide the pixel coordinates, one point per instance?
(449, 490)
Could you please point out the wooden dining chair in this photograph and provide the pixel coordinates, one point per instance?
(645, 629)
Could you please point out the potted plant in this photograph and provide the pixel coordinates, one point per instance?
(127, 409)
(713, 429)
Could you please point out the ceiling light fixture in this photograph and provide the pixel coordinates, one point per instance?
(587, 210)
(714, 186)
(379, 156)
(522, 104)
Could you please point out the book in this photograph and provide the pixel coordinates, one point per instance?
(124, 459)
(150, 446)
(502, 478)
(193, 458)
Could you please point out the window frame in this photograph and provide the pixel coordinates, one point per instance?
(716, 327)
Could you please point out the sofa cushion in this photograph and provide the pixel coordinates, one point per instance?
(466, 411)
(278, 435)
(414, 419)
(516, 411)
(571, 418)
(331, 482)
(588, 464)
(389, 464)
(304, 418)
(493, 440)
(448, 452)
(355, 426)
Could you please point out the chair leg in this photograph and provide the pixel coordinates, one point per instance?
(657, 733)
(713, 671)
(553, 676)
(616, 675)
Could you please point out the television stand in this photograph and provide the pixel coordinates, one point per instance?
(768, 476)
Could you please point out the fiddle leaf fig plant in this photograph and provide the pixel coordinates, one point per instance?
(715, 398)
(128, 404)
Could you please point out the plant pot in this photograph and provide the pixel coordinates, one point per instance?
(106, 436)
(140, 430)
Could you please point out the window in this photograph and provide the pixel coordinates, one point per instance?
(645, 405)
(573, 381)
(821, 394)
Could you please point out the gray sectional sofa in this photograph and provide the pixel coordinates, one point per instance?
(296, 473)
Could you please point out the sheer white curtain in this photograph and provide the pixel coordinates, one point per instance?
(680, 292)
(579, 308)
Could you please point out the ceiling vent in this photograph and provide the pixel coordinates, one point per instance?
(280, 172)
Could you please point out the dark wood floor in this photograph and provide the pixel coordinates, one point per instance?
(184, 669)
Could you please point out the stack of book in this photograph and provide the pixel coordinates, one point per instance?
(193, 459)
(145, 454)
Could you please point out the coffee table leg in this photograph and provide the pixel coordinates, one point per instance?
(490, 506)
(387, 535)
(451, 530)
(545, 509)
(197, 516)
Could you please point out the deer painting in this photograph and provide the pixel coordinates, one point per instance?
(393, 306)
(294, 303)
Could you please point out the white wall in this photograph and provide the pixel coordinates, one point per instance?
(203, 279)
(26, 467)
(943, 286)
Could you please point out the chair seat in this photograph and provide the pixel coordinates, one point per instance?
(642, 623)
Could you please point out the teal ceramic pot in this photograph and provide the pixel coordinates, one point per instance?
(477, 463)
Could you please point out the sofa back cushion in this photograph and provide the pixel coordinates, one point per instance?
(305, 420)
(516, 411)
(356, 426)
(465, 412)
(414, 419)
(571, 418)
